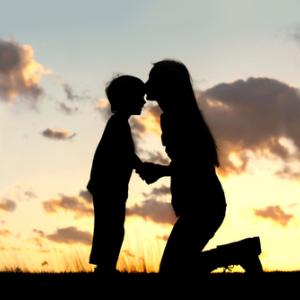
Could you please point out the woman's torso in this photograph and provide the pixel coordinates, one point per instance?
(194, 183)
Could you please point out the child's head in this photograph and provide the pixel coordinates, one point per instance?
(125, 94)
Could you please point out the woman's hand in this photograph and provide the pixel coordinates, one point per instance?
(149, 172)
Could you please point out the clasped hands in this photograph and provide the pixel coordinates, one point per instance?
(149, 172)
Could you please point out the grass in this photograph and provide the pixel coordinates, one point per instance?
(151, 284)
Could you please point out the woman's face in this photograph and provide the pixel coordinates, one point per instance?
(156, 90)
(153, 87)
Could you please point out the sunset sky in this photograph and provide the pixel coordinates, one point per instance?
(55, 60)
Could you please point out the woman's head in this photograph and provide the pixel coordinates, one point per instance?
(170, 85)
(169, 81)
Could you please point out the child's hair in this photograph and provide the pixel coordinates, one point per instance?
(121, 89)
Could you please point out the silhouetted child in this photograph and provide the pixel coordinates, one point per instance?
(113, 163)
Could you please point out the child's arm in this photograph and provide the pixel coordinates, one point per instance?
(151, 172)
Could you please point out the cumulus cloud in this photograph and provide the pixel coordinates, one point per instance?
(20, 73)
(152, 209)
(7, 205)
(148, 123)
(79, 205)
(163, 190)
(103, 107)
(58, 134)
(156, 157)
(70, 235)
(156, 211)
(275, 213)
(259, 115)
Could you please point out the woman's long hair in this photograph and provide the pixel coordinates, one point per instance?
(177, 86)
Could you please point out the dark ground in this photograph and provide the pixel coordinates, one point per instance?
(141, 285)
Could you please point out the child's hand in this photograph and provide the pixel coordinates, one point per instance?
(148, 172)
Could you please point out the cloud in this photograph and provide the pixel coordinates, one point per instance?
(296, 35)
(74, 204)
(257, 115)
(71, 95)
(24, 194)
(148, 122)
(162, 237)
(86, 195)
(5, 232)
(152, 209)
(274, 213)
(289, 172)
(156, 211)
(70, 235)
(30, 195)
(58, 134)
(103, 107)
(155, 157)
(44, 263)
(158, 192)
(20, 73)
(7, 205)
(66, 109)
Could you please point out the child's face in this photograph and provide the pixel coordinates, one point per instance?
(137, 102)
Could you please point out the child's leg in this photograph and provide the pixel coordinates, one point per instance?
(108, 235)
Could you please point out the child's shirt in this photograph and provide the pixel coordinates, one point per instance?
(114, 160)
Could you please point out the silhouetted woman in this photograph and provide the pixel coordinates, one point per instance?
(197, 195)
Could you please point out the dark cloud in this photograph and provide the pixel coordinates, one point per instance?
(58, 134)
(19, 72)
(66, 109)
(73, 96)
(70, 92)
(289, 172)
(86, 195)
(275, 213)
(44, 263)
(156, 211)
(7, 205)
(253, 115)
(79, 205)
(70, 235)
